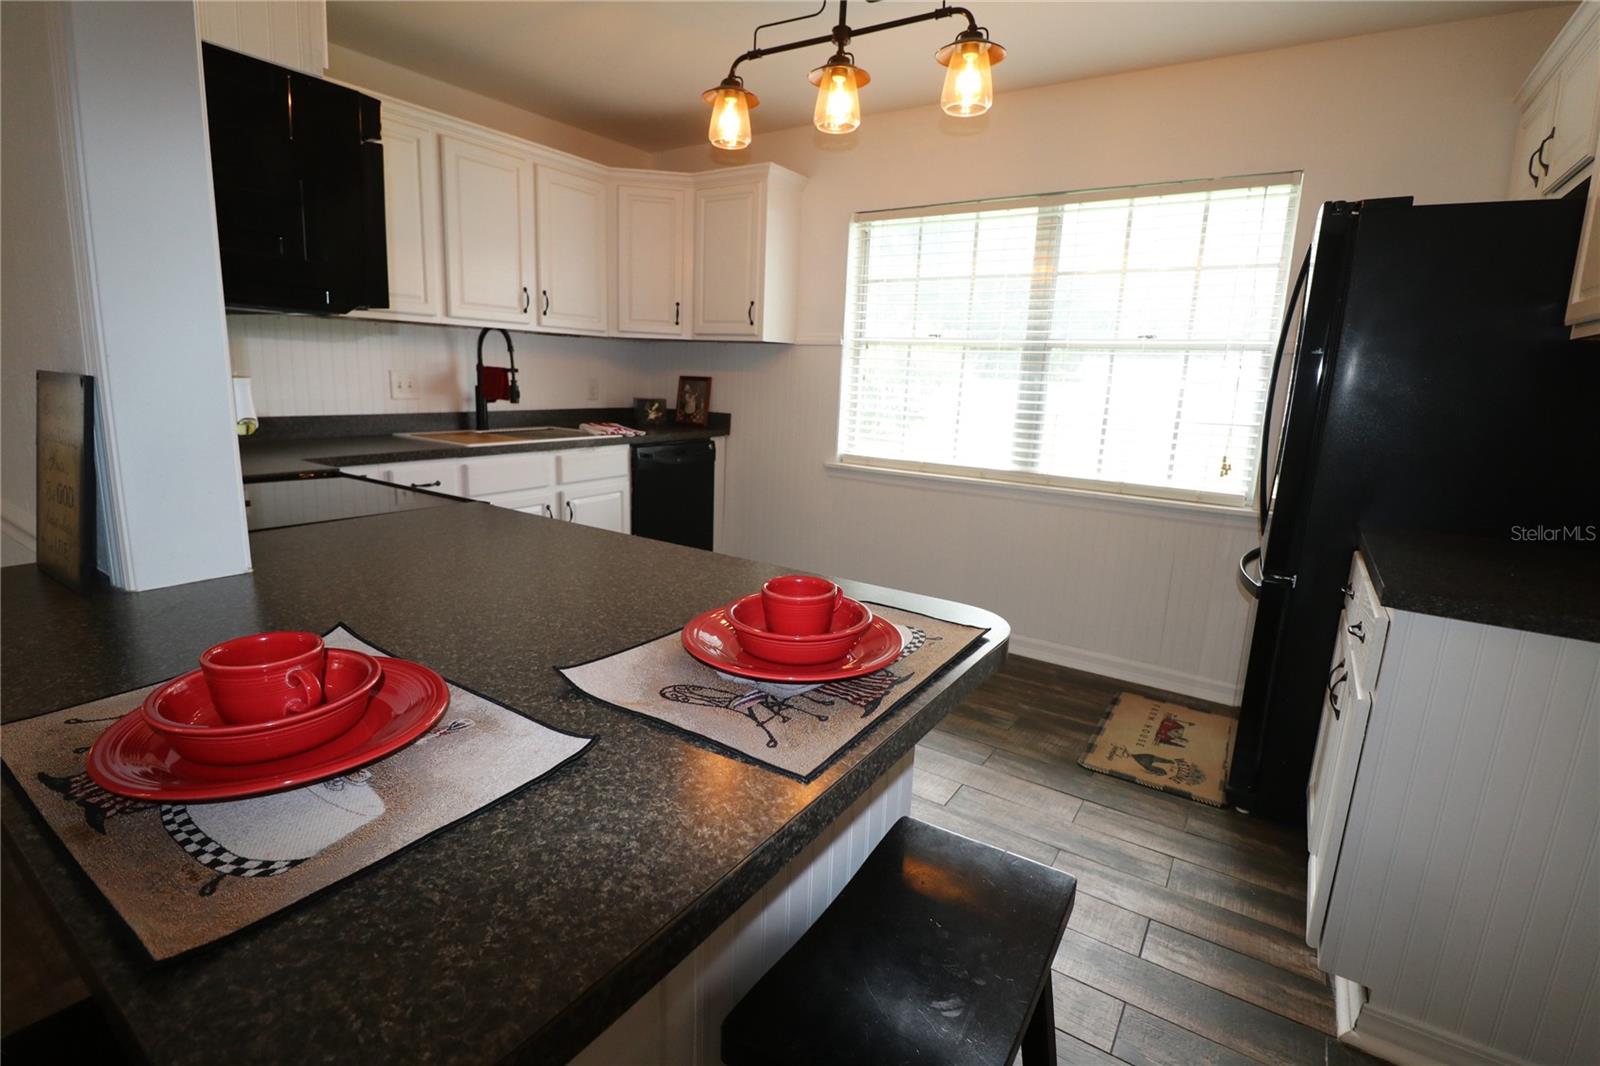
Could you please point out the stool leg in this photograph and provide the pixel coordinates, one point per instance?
(1039, 1042)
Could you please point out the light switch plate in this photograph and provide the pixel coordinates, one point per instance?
(402, 385)
(594, 388)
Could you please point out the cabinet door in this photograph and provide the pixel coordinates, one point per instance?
(412, 218)
(572, 252)
(651, 260)
(539, 503)
(727, 256)
(290, 33)
(1583, 305)
(1534, 127)
(601, 504)
(1578, 84)
(488, 232)
(1346, 709)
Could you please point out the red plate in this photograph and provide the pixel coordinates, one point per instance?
(131, 759)
(712, 639)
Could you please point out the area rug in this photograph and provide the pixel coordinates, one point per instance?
(1164, 746)
(795, 729)
(186, 874)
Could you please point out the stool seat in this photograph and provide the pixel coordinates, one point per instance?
(937, 951)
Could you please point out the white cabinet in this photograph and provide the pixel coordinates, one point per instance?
(412, 217)
(1583, 304)
(1535, 127)
(653, 261)
(601, 504)
(446, 476)
(290, 33)
(573, 268)
(1560, 106)
(746, 255)
(488, 231)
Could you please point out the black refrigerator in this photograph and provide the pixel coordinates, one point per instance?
(1431, 385)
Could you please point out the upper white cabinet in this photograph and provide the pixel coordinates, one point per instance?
(746, 226)
(653, 261)
(488, 231)
(573, 265)
(1560, 103)
(290, 33)
(412, 213)
(1583, 305)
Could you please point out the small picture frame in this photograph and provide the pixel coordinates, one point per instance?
(694, 401)
(649, 412)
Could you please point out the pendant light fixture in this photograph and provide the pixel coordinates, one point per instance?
(968, 83)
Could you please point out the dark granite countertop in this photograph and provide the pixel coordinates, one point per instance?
(318, 446)
(1538, 583)
(523, 931)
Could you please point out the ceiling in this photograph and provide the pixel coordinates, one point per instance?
(634, 71)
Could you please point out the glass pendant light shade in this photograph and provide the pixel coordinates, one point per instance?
(968, 84)
(730, 114)
(838, 95)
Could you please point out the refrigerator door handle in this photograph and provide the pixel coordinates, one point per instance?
(1254, 585)
(1289, 307)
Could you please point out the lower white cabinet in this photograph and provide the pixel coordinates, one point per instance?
(603, 505)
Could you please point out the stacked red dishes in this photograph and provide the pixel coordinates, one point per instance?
(797, 629)
(265, 712)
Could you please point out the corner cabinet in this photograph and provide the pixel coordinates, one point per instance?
(746, 262)
(654, 219)
(411, 209)
(488, 232)
(573, 265)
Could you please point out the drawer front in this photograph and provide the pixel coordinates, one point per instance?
(443, 476)
(509, 473)
(591, 464)
(1364, 627)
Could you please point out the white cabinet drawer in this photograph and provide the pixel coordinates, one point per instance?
(1364, 626)
(509, 473)
(441, 476)
(591, 464)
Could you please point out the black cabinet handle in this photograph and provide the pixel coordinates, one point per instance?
(1333, 687)
(1349, 592)
(1357, 630)
(546, 294)
(1531, 174)
(527, 301)
(547, 512)
(426, 484)
(752, 312)
(1540, 150)
(677, 312)
(570, 516)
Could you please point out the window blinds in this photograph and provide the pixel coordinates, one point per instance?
(1119, 340)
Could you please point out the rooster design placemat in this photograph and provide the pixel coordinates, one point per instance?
(185, 874)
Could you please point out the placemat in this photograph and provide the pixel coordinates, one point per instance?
(795, 729)
(185, 874)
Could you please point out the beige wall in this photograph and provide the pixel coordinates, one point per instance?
(414, 88)
(1135, 590)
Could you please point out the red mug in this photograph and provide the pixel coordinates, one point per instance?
(797, 605)
(265, 677)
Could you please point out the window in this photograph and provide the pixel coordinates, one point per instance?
(1119, 340)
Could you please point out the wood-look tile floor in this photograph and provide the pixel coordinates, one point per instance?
(1186, 943)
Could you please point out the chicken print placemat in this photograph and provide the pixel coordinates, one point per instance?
(797, 729)
(185, 874)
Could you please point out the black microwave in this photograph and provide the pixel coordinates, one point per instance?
(297, 172)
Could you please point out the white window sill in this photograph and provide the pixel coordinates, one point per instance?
(1243, 514)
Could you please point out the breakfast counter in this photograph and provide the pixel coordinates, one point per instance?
(523, 931)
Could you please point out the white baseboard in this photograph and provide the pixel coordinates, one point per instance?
(1131, 670)
(1406, 1041)
(20, 545)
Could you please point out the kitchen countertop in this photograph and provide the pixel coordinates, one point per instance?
(1535, 585)
(272, 457)
(526, 929)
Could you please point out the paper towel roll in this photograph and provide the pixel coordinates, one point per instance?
(245, 420)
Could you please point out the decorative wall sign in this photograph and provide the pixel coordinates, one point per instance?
(694, 400)
(65, 503)
(649, 412)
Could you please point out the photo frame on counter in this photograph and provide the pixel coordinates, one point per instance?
(694, 400)
(65, 483)
(649, 412)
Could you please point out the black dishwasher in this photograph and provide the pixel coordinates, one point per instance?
(674, 492)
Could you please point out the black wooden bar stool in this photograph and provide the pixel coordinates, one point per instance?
(937, 952)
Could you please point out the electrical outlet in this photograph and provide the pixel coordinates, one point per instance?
(594, 388)
(402, 385)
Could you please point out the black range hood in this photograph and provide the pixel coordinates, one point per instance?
(298, 176)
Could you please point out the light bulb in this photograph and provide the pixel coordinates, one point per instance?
(968, 85)
(838, 101)
(730, 116)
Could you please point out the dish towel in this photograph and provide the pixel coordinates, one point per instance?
(609, 429)
(495, 381)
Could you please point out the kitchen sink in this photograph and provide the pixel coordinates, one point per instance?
(483, 438)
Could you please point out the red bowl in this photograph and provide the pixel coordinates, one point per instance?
(182, 710)
(748, 618)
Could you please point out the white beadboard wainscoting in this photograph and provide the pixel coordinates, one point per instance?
(1139, 590)
(680, 1020)
(302, 365)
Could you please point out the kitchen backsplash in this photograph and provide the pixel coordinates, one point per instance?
(301, 365)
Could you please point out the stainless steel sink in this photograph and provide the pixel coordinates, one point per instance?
(484, 438)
